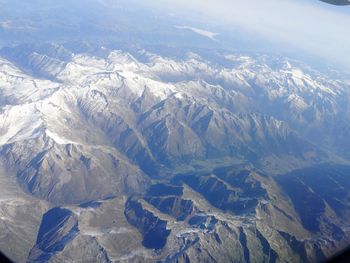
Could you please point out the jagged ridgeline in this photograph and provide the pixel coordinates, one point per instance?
(131, 156)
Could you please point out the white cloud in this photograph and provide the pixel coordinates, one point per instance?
(311, 25)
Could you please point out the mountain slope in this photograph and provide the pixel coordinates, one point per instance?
(215, 161)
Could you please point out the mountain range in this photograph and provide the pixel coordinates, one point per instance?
(116, 155)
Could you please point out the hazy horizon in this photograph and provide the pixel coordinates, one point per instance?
(313, 26)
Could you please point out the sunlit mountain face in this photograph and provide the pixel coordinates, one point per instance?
(132, 132)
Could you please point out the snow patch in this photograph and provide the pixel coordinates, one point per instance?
(57, 138)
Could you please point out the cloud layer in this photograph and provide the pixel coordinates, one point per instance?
(309, 25)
